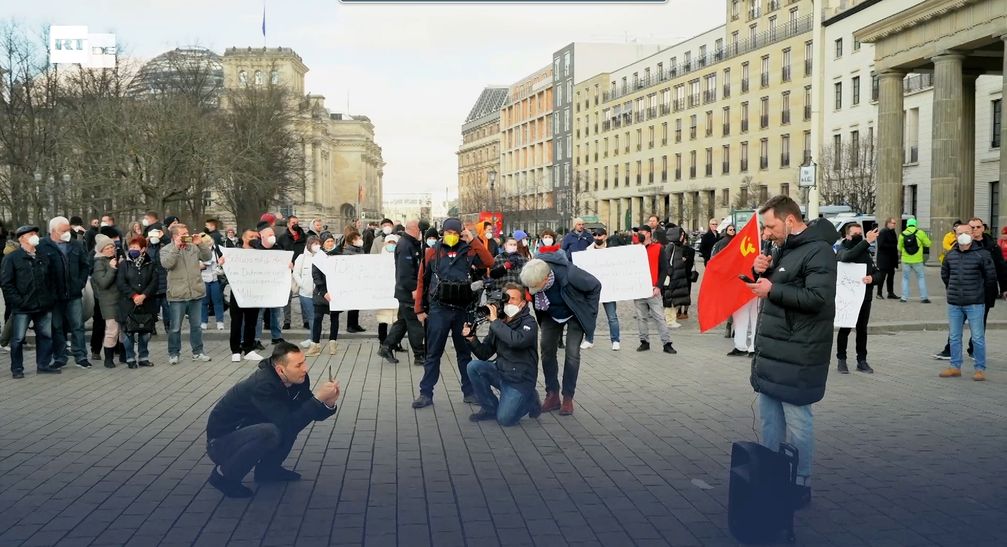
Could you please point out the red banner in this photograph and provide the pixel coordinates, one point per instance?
(495, 219)
(722, 292)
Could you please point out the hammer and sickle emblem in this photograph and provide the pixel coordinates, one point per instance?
(746, 246)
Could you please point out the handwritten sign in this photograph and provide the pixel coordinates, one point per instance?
(359, 282)
(850, 290)
(258, 279)
(623, 271)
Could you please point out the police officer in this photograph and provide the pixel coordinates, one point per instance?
(443, 294)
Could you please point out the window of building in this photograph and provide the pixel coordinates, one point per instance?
(243, 77)
(997, 122)
(725, 159)
(664, 168)
(650, 141)
(785, 114)
(566, 64)
(709, 162)
(764, 113)
(785, 188)
(639, 140)
(678, 166)
(807, 148)
(808, 54)
(839, 47)
(839, 95)
(727, 82)
(639, 172)
(274, 77)
(744, 117)
(692, 127)
(664, 133)
(807, 102)
(785, 151)
(856, 45)
(709, 123)
(616, 169)
(855, 89)
(765, 71)
(678, 130)
(786, 65)
(744, 157)
(854, 148)
(692, 164)
(764, 153)
(725, 197)
(744, 77)
(837, 151)
(650, 171)
(258, 77)
(727, 121)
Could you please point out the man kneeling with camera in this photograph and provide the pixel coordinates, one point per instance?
(514, 340)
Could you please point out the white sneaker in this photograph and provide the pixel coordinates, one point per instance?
(306, 343)
(252, 356)
(235, 357)
(615, 346)
(674, 325)
(172, 359)
(220, 325)
(5, 348)
(201, 357)
(202, 326)
(586, 345)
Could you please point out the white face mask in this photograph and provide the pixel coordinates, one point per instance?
(964, 239)
(390, 248)
(511, 248)
(430, 242)
(33, 240)
(315, 247)
(271, 240)
(511, 310)
(386, 230)
(65, 236)
(546, 241)
(154, 240)
(145, 222)
(104, 224)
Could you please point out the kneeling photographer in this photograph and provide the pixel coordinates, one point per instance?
(514, 340)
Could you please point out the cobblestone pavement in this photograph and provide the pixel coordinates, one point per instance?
(117, 457)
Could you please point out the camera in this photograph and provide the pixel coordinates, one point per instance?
(479, 312)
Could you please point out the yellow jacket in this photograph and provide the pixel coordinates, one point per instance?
(949, 241)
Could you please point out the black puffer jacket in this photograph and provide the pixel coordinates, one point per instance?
(516, 347)
(968, 275)
(999, 266)
(70, 270)
(408, 255)
(681, 260)
(27, 282)
(888, 249)
(135, 277)
(793, 343)
(858, 253)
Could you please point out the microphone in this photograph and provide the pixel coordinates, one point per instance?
(477, 286)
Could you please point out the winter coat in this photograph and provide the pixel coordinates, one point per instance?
(678, 290)
(70, 271)
(580, 290)
(999, 266)
(706, 244)
(968, 276)
(408, 253)
(106, 293)
(27, 282)
(858, 253)
(293, 240)
(154, 252)
(184, 280)
(888, 249)
(388, 315)
(720, 244)
(262, 398)
(470, 255)
(301, 275)
(793, 341)
(574, 242)
(132, 278)
(507, 269)
(950, 240)
(921, 240)
(515, 344)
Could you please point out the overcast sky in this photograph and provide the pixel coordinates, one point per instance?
(415, 70)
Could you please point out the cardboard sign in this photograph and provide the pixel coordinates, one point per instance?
(623, 271)
(850, 290)
(258, 279)
(359, 282)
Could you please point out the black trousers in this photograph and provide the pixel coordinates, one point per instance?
(844, 334)
(353, 319)
(886, 277)
(316, 326)
(262, 445)
(986, 315)
(242, 327)
(407, 322)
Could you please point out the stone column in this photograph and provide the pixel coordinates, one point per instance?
(1001, 221)
(946, 157)
(890, 145)
(967, 185)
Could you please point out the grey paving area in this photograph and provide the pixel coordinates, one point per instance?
(116, 457)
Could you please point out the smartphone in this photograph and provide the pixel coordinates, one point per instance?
(187, 240)
(745, 278)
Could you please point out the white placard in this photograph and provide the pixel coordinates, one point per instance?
(807, 176)
(359, 282)
(850, 290)
(623, 271)
(258, 279)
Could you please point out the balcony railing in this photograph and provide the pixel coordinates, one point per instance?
(785, 117)
(763, 162)
(679, 104)
(786, 74)
(709, 96)
(651, 112)
(807, 67)
(725, 167)
(664, 176)
(785, 160)
(744, 85)
(764, 121)
(807, 112)
(744, 165)
(744, 125)
(692, 172)
(918, 82)
(782, 31)
(678, 174)
(726, 130)
(764, 79)
(727, 90)
(665, 109)
(709, 170)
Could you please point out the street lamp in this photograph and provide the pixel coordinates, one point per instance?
(492, 176)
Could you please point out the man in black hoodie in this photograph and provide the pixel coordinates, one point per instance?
(793, 342)
(856, 248)
(257, 421)
(408, 257)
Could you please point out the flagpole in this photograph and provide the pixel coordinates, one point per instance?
(263, 24)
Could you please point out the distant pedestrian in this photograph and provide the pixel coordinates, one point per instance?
(888, 258)
(27, 282)
(912, 241)
(969, 276)
(186, 290)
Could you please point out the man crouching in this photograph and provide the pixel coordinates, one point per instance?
(514, 340)
(256, 422)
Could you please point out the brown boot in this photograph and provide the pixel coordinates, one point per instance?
(567, 408)
(551, 401)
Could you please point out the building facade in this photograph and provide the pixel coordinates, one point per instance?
(343, 167)
(479, 153)
(958, 41)
(717, 122)
(524, 188)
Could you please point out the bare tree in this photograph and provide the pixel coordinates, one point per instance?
(848, 176)
(750, 194)
(264, 161)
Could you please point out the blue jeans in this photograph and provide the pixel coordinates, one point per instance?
(613, 322)
(308, 311)
(165, 311)
(956, 317)
(795, 424)
(214, 296)
(43, 339)
(921, 279)
(275, 322)
(441, 323)
(68, 320)
(136, 346)
(515, 401)
(178, 310)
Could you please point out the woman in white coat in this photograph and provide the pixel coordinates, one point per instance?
(387, 317)
(302, 284)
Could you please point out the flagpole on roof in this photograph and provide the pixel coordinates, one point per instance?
(263, 23)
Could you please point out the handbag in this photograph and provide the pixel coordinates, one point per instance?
(139, 321)
(694, 276)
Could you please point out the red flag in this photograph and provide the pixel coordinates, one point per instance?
(721, 292)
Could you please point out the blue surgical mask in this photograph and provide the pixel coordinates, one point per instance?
(134, 254)
(390, 248)
(431, 242)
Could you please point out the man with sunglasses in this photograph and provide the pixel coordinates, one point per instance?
(982, 240)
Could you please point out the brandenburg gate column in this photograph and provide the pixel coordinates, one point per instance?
(1003, 149)
(890, 144)
(946, 158)
(967, 186)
